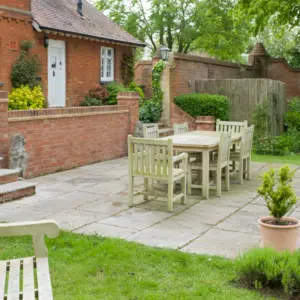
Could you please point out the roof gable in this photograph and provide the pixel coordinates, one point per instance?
(62, 15)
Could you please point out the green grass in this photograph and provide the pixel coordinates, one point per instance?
(287, 159)
(90, 267)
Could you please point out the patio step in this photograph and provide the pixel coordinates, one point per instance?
(15, 190)
(9, 175)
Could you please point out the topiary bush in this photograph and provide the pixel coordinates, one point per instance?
(26, 98)
(204, 105)
(24, 71)
(267, 268)
(150, 112)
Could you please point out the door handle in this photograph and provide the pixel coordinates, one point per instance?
(53, 73)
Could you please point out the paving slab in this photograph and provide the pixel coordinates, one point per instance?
(21, 214)
(223, 243)
(54, 190)
(107, 188)
(241, 221)
(229, 200)
(261, 210)
(136, 218)
(97, 228)
(168, 234)
(210, 214)
(73, 219)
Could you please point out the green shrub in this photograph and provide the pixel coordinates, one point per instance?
(204, 105)
(24, 71)
(113, 89)
(292, 117)
(89, 101)
(260, 268)
(26, 98)
(150, 112)
(278, 192)
(133, 87)
(260, 119)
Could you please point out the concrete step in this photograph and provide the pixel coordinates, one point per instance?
(165, 132)
(15, 190)
(9, 175)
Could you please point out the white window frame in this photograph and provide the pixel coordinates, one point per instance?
(105, 58)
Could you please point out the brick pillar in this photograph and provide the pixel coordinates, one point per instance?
(206, 123)
(131, 100)
(4, 141)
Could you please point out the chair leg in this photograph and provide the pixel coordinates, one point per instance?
(227, 178)
(219, 187)
(189, 178)
(183, 188)
(241, 171)
(146, 187)
(248, 168)
(170, 196)
(130, 191)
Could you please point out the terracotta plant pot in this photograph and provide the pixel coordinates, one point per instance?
(279, 237)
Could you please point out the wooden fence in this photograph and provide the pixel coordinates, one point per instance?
(245, 94)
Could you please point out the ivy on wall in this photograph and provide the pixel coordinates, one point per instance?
(157, 93)
(127, 68)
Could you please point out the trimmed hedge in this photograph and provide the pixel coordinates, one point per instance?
(204, 105)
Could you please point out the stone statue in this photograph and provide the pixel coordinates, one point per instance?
(138, 129)
(17, 154)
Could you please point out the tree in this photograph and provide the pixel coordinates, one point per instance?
(266, 12)
(183, 25)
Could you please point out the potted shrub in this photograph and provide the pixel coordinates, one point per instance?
(277, 231)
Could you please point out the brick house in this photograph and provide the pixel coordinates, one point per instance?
(77, 46)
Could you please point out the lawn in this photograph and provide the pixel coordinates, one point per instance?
(287, 159)
(90, 267)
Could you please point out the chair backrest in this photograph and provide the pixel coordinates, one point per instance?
(247, 140)
(151, 131)
(150, 157)
(180, 128)
(225, 126)
(224, 147)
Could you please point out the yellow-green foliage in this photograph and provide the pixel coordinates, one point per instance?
(278, 192)
(26, 98)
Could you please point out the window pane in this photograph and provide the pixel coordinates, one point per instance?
(109, 52)
(103, 51)
(108, 68)
(102, 67)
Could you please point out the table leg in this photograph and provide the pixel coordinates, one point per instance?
(205, 174)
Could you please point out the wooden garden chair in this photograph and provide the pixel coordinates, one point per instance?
(234, 127)
(151, 131)
(216, 165)
(25, 270)
(180, 128)
(153, 159)
(243, 156)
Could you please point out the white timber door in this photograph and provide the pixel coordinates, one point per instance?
(56, 73)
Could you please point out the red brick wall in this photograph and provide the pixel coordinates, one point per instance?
(59, 139)
(19, 4)
(179, 116)
(143, 76)
(82, 56)
(279, 70)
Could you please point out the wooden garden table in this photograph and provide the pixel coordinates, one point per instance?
(201, 142)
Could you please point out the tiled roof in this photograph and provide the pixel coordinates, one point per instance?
(259, 50)
(62, 15)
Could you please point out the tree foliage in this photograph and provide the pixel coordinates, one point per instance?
(183, 25)
(266, 12)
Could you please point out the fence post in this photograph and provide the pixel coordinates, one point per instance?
(4, 140)
(131, 100)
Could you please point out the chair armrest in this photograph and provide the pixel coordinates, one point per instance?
(46, 227)
(37, 229)
(180, 157)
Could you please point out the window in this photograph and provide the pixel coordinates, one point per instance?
(107, 64)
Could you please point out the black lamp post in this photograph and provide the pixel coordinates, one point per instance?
(164, 53)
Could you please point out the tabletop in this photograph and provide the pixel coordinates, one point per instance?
(200, 139)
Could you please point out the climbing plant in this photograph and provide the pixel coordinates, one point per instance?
(24, 71)
(157, 93)
(127, 68)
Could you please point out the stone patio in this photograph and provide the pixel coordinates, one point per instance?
(93, 200)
